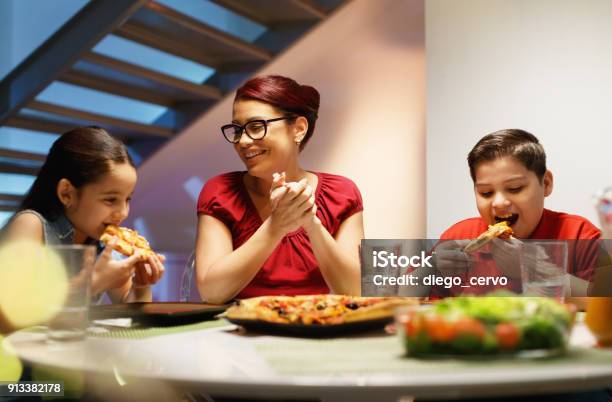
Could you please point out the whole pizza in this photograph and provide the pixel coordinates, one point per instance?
(317, 309)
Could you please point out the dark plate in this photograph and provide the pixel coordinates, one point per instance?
(313, 330)
(160, 313)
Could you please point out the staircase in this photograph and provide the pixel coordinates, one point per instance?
(69, 57)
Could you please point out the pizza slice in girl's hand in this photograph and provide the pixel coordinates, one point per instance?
(128, 242)
(501, 230)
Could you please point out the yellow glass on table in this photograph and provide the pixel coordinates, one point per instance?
(599, 309)
(599, 319)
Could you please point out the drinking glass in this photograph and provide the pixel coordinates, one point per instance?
(544, 268)
(72, 320)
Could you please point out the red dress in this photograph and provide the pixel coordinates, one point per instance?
(292, 268)
(582, 236)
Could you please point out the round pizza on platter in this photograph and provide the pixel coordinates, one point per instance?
(317, 310)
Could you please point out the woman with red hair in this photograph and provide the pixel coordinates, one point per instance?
(276, 228)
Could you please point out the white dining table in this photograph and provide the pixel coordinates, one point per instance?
(227, 362)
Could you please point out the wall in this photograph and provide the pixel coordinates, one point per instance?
(368, 63)
(28, 24)
(25, 25)
(541, 65)
(6, 28)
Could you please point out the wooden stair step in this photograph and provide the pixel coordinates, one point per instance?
(80, 117)
(164, 28)
(272, 13)
(108, 74)
(30, 156)
(16, 168)
(10, 202)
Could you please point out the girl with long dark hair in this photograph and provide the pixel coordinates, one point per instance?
(84, 185)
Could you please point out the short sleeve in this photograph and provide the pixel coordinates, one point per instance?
(588, 246)
(213, 200)
(338, 199)
(588, 231)
(354, 203)
(585, 256)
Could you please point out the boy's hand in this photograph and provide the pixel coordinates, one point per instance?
(507, 256)
(450, 259)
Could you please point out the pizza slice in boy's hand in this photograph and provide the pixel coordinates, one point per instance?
(501, 230)
(128, 242)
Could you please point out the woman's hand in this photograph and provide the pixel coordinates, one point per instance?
(278, 189)
(292, 204)
(112, 274)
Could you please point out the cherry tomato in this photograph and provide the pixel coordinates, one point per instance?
(507, 335)
(438, 329)
(469, 326)
(414, 325)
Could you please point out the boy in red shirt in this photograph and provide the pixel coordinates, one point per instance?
(508, 168)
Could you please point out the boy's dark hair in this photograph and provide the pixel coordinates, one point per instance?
(83, 155)
(519, 144)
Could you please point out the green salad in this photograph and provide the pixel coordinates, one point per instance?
(487, 325)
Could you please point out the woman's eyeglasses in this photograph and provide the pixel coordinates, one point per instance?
(255, 129)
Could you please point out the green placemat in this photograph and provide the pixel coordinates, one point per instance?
(385, 354)
(149, 332)
(141, 332)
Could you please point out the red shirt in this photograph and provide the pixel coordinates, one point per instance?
(583, 245)
(292, 268)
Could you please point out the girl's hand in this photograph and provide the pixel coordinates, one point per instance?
(149, 271)
(112, 274)
(293, 205)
